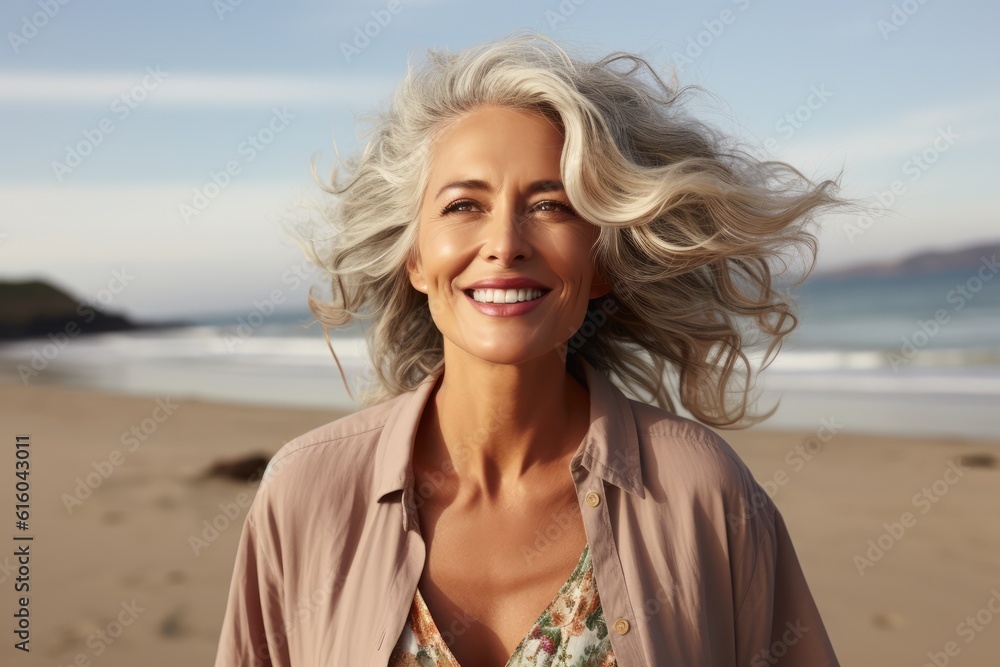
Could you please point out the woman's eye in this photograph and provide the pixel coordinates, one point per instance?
(547, 206)
(556, 207)
(456, 206)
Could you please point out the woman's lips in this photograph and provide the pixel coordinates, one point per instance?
(505, 309)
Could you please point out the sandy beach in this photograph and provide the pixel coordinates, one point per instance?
(899, 538)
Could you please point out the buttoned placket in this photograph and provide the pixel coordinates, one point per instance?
(608, 575)
(409, 568)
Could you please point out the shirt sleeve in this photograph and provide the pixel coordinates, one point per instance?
(778, 623)
(253, 630)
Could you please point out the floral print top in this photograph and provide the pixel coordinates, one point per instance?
(570, 632)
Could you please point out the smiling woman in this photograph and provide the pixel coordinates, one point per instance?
(500, 500)
(508, 245)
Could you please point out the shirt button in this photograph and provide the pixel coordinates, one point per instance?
(621, 626)
(593, 499)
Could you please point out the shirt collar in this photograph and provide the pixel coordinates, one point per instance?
(610, 449)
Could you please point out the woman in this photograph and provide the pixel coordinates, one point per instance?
(521, 226)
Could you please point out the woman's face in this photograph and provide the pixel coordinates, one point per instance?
(494, 208)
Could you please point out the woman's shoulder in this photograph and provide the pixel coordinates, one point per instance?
(349, 432)
(332, 459)
(690, 470)
(686, 453)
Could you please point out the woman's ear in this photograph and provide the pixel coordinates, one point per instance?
(599, 285)
(415, 272)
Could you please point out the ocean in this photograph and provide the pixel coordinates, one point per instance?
(913, 356)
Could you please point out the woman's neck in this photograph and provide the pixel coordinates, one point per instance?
(496, 429)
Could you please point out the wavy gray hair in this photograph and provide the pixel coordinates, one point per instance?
(690, 224)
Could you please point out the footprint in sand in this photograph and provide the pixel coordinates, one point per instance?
(175, 577)
(113, 516)
(888, 621)
(172, 624)
(981, 460)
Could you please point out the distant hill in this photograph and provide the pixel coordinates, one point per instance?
(933, 261)
(35, 308)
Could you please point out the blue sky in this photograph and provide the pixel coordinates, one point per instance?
(161, 96)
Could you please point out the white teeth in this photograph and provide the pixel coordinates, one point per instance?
(506, 296)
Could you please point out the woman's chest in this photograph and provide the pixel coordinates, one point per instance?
(487, 579)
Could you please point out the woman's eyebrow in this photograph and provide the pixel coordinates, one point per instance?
(478, 184)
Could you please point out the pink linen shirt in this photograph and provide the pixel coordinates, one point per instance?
(691, 558)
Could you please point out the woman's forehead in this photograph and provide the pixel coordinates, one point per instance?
(500, 126)
(481, 150)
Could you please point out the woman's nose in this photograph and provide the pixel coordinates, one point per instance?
(505, 232)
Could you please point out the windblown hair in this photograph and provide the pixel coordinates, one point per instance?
(690, 224)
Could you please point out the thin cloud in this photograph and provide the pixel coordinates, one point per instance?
(904, 135)
(185, 88)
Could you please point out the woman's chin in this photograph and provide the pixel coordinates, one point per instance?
(497, 349)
